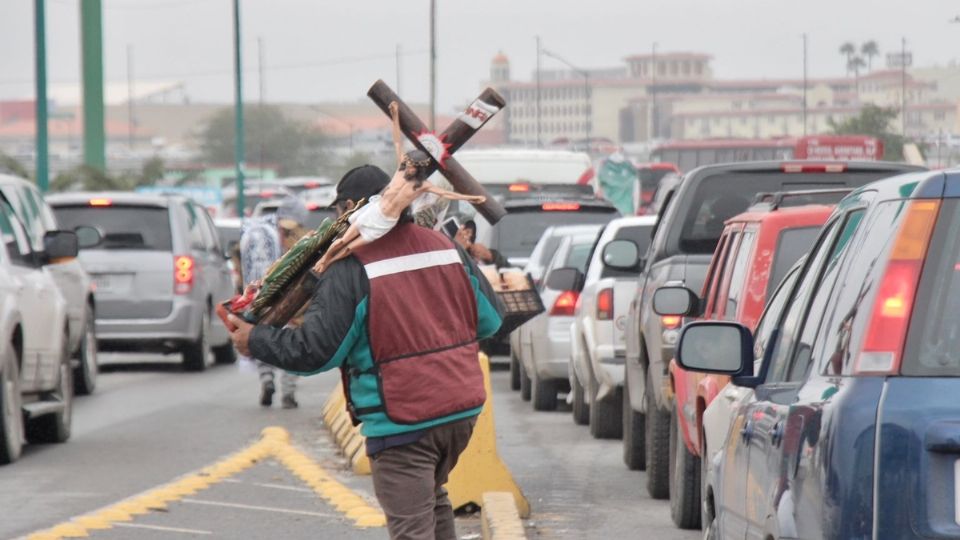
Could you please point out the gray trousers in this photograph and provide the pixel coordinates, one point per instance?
(409, 480)
(288, 381)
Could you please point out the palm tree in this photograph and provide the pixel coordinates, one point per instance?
(868, 50)
(855, 64)
(848, 49)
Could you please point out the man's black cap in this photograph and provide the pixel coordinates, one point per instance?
(361, 182)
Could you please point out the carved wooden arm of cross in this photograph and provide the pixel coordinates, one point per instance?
(441, 147)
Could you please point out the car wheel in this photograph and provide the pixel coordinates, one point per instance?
(684, 480)
(605, 421)
(85, 374)
(514, 372)
(657, 439)
(55, 427)
(544, 394)
(11, 412)
(225, 354)
(634, 433)
(581, 409)
(195, 353)
(525, 385)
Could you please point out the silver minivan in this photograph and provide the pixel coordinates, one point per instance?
(158, 271)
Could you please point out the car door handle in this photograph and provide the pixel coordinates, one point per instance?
(776, 436)
(746, 432)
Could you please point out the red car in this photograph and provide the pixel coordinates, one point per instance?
(755, 251)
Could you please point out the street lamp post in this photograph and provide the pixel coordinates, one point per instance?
(40, 52)
(586, 89)
(238, 149)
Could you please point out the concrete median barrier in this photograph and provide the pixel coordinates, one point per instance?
(478, 471)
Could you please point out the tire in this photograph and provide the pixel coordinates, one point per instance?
(224, 354)
(544, 394)
(85, 374)
(581, 409)
(55, 428)
(195, 353)
(657, 441)
(525, 385)
(605, 420)
(11, 411)
(634, 433)
(514, 372)
(684, 480)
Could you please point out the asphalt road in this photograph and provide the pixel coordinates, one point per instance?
(149, 423)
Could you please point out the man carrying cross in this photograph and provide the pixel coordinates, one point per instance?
(400, 317)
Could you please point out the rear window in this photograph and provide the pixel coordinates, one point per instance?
(791, 245)
(933, 348)
(518, 232)
(640, 235)
(720, 197)
(578, 256)
(650, 178)
(122, 227)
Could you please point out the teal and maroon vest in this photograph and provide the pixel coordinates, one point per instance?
(422, 324)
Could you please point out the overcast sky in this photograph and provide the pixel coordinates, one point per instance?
(325, 50)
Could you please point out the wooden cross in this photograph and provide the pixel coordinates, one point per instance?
(441, 147)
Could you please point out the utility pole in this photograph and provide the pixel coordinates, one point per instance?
(131, 123)
(903, 87)
(804, 84)
(586, 90)
(260, 71)
(238, 149)
(398, 68)
(654, 114)
(40, 59)
(91, 45)
(539, 54)
(433, 65)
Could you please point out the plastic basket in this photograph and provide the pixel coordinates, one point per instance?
(519, 307)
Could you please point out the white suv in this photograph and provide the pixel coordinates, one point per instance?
(74, 283)
(36, 379)
(598, 346)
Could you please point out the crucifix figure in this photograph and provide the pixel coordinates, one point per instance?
(382, 212)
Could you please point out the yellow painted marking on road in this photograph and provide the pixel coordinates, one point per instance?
(165, 529)
(274, 443)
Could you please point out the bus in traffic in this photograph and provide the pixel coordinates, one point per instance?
(690, 154)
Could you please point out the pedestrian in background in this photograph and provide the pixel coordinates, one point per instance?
(262, 242)
(401, 318)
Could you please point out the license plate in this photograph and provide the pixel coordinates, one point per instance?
(112, 283)
(956, 491)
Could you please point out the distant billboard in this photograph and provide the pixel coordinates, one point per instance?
(899, 60)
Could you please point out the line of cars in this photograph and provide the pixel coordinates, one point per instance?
(791, 350)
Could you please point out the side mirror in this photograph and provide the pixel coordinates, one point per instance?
(621, 255)
(565, 279)
(88, 237)
(725, 348)
(60, 245)
(676, 300)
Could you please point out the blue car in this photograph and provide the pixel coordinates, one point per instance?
(851, 425)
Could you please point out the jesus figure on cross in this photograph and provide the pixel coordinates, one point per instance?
(383, 211)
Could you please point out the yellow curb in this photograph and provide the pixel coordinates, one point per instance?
(360, 462)
(275, 443)
(499, 517)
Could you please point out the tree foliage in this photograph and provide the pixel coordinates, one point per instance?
(86, 178)
(10, 165)
(874, 121)
(270, 138)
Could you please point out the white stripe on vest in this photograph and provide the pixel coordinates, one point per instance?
(408, 263)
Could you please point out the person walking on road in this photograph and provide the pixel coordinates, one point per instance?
(401, 318)
(262, 242)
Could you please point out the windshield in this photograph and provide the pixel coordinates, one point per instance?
(720, 197)
(122, 227)
(792, 244)
(518, 232)
(933, 348)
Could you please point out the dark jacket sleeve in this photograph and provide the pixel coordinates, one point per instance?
(325, 338)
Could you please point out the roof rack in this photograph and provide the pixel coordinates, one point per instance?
(778, 199)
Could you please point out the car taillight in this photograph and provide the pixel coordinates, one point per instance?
(100, 201)
(560, 207)
(519, 188)
(605, 305)
(887, 333)
(565, 304)
(671, 322)
(813, 167)
(183, 267)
